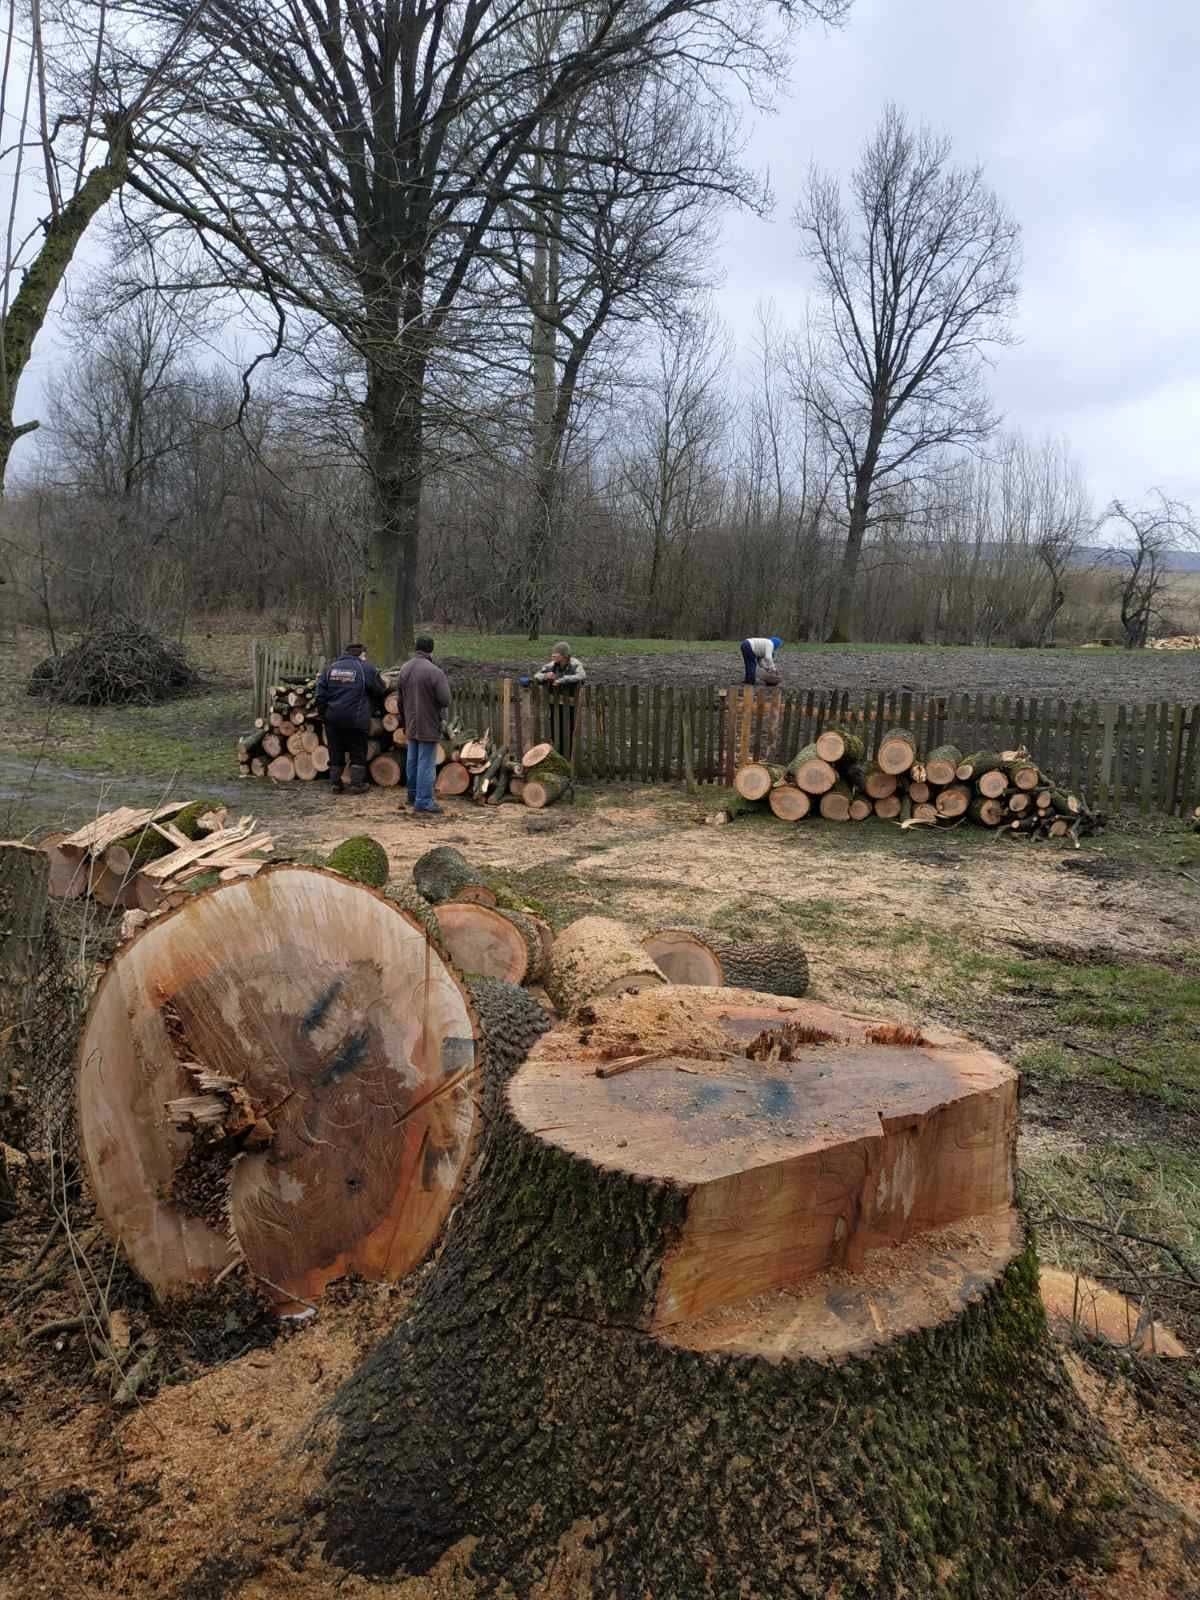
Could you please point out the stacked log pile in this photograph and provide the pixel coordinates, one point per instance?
(289, 742)
(832, 778)
(149, 860)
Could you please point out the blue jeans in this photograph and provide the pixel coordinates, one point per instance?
(421, 768)
(751, 661)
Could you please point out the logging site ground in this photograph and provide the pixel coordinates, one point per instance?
(1081, 966)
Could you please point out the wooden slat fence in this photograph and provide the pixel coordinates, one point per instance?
(1143, 757)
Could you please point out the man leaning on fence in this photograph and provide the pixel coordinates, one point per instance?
(345, 690)
(424, 700)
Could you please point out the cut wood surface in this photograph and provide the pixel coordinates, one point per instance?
(453, 779)
(808, 771)
(888, 807)
(536, 754)
(1023, 774)
(953, 800)
(386, 771)
(487, 943)
(839, 744)
(897, 751)
(544, 789)
(835, 802)
(444, 873)
(685, 955)
(990, 813)
(282, 769)
(595, 957)
(343, 1031)
(867, 1135)
(941, 765)
(861, 808)
(788, 803)
(993, 785)
(756, 780)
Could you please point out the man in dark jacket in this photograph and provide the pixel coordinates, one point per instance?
(424, 701)
(345, 691)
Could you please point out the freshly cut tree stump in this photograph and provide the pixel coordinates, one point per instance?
(897, 751)
(443, 874)
(595, 957)
(452, 779)
(488, 943)
(755, 781)
(835, 802)
(788, 803)
(339, 1049)
(838, 744)
(693, 1340)
(941, 765)
(809, 772)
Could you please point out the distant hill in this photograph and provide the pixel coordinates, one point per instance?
(1177, 561)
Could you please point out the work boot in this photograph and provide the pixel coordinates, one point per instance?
(358, 781)
(336, 786)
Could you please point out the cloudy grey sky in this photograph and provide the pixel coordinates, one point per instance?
(1086, 117)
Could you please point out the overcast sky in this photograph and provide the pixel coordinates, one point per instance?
(1086, 117)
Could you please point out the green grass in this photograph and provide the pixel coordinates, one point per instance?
(193, 737)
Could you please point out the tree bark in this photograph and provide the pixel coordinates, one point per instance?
(394, 444)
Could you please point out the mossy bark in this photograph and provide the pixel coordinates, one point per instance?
(445, 874)
(519, 1405)
(362, 858)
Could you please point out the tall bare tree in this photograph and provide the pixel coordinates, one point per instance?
(917, 277)
(70, 101)
(352, 163)
(1149, 536)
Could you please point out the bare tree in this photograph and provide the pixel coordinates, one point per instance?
(352, 165)
(916, 278)
(69, 105)
(1149, 537)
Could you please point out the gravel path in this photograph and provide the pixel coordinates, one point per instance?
(1133, 677)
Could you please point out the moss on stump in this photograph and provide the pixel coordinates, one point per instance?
(361, 858)
(520, 1405)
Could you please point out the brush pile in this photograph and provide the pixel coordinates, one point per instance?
(831, 778)
(116, 663)
(146, 861)
(290, 742)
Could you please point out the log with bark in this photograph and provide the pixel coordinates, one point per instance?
(953, 801)
(897, 751)
(590, 1391)
(595, 957)
(484, 941)
(810, 772)
(835, 802)
(544, 788)
(443, 874)
(334, 1053)
(699, 956)
(836, 745)
(788, 803)
(874, 782)
(756, 780)
(941, 765)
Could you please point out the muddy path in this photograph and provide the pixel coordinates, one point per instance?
(1128, 676)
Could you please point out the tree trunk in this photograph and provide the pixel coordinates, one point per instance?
(809, 772)
(31, 304)
(860, 506)
(585, 1386)
(488, 943)
(443, 874)
(394, 440)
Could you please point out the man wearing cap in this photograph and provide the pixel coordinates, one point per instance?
(562, 667)
(756, 652)
(562, 671)
(424, 700)
(345, 690)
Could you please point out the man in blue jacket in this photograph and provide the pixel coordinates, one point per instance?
(345, 691)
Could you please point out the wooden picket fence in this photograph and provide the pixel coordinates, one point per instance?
(1144, 757)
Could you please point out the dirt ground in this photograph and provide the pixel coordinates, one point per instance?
(197, 1491)
(1102, 674)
